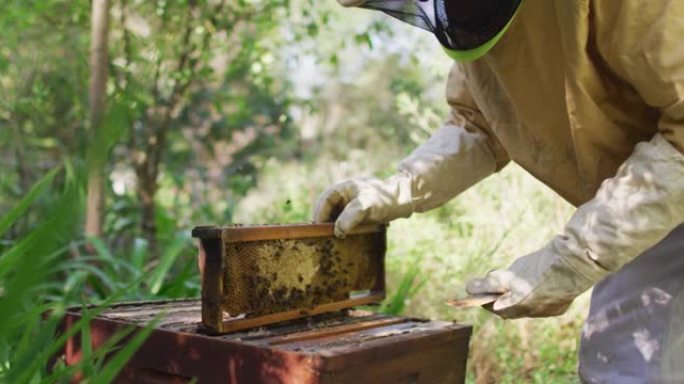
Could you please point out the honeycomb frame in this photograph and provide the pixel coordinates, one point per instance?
(267, 273)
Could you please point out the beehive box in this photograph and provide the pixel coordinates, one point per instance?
(347, 346)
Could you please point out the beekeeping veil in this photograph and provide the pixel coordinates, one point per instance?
(467, 29)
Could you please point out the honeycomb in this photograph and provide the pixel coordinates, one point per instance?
(270, 276)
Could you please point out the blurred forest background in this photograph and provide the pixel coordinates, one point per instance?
(116, 141)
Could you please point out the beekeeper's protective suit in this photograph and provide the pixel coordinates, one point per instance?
(588, 96)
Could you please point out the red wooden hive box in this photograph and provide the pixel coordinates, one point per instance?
(347, 346)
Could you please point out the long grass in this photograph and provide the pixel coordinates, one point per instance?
(32, 305)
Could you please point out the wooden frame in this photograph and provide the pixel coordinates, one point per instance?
(212, 240)
(240, 233)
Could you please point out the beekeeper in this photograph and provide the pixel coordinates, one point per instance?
(587, 96)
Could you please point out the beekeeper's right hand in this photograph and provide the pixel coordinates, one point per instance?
(364, 200)
(452, 160)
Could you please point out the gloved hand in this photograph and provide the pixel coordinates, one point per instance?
(452, 160)
(631, 212)
(536, 285)
(364, 200)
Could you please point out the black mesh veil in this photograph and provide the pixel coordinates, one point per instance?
(414, 12)
(458, 24)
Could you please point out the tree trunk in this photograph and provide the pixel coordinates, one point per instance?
(151, 146)
(98, 95)
(147, 172)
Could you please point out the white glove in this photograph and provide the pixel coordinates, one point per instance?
(364, 200)
(536, 285)
(452, 160)
(631, 212)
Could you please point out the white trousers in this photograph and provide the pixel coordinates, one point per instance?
(635, 329)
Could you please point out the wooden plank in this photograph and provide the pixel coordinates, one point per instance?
(147, 313)
(349, 355)
(232, 325)
(262, 335)
(381, 252)
(474, 301)
(296, 231)
(332, 345)
(443, 364)
(335, 330)
(212, 284)
(276, 232)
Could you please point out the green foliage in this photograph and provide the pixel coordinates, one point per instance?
(35, 288)
(408, 286)
(173, 275)
(115, 363)
(20, 209)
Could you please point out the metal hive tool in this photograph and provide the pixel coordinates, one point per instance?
(257, 275)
